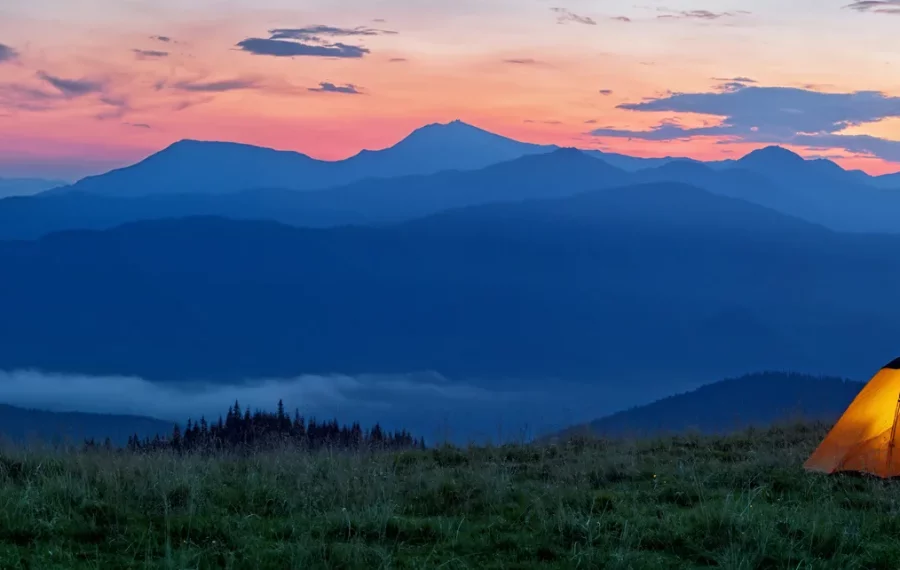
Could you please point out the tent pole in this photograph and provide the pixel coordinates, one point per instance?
(890, 456)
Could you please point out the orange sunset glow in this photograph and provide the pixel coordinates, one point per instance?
(90, 85)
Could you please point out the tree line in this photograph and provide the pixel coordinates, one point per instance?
(243, 429)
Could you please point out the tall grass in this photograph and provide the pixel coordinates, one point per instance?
(741, 501)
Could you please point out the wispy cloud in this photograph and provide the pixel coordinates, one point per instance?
(215, 86)
(605, 92)
(315, 33)
(564, 16)
(7, 53)
(138, 125)
(149, 53)
(165, 39)
(310, 41)
(625, 19)
(397, 60)
(739, 79)
(325, 87)
(876, 6)
(522, 61)
(697, 14)
(72, 87)
(777, 115)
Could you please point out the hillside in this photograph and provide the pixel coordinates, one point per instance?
(711, 287)
(754, 400)
(741, 501)
(26, 186)
(21, 424)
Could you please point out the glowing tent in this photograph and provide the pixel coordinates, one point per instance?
(863, 439)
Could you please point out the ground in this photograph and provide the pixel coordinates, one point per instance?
(741, 501)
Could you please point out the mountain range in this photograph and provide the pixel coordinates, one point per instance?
(433, 169)
(457, 251)
(660, 283)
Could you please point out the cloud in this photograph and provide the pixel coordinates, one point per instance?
(625, 19)
(279, 48)
(397, 60)
(775, 115)
(149, 53)
(876, 6)
(426, 403)
(72, 87)
(522, 61)
(165, 39)
(138, 125)
(7, 53)
(215, 86)
(314, 33)
(25, 98)
(738, 79)
(188, 103)
(551, 122)
(325, 87)
(134, 395)
(564, 16)
(309, 41)
(605, 92)
(697, 14)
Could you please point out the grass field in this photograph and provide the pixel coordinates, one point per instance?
(741, 501)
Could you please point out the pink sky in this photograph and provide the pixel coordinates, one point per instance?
(76, 98)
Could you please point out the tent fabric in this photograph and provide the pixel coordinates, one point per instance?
(863, 438)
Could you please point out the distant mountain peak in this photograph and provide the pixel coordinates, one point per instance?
(454, 127)
(772, 153)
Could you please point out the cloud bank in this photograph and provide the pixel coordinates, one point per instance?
(426, 403)
(775, 115)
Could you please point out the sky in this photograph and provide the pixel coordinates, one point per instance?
(89, 85)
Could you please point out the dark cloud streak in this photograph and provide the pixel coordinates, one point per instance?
(699, 15)
(72, 87)
(150, 53)
(280, 48)
(325, 87)
(876, 6)
(564, 16)
(215, 86)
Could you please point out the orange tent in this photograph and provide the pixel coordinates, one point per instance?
(863, 438)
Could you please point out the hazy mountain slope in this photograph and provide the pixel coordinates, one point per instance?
(733, 404)
(659, 284)
(20, 424)
(26, 186)
(554, 174)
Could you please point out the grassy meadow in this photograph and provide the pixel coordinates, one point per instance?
(741, 501)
